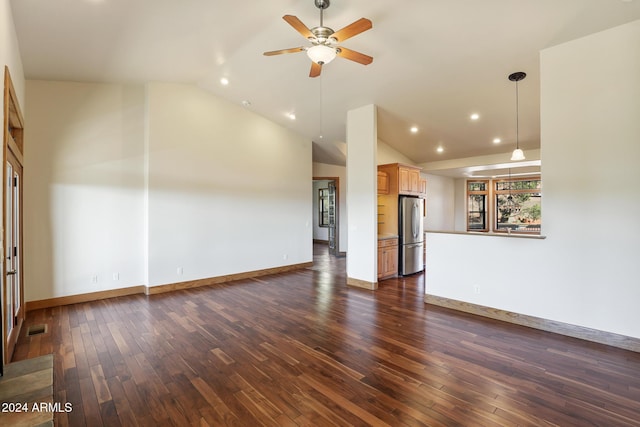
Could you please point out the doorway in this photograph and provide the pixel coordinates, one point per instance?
(12, 286)
(326, 212)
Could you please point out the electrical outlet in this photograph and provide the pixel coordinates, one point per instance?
(179, 271)
(476, 289)
(116, 276)
(285, 257)
(94, 279)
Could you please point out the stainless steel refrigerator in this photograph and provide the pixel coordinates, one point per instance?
(411, 254)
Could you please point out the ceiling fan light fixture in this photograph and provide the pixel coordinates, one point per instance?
(321, 54)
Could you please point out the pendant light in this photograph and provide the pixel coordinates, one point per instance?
(518, 154)
(510, 203)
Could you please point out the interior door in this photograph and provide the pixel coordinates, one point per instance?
(13, 252)
(11, 267)
(333, 244)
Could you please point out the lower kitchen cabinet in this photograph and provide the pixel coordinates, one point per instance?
(387, 258)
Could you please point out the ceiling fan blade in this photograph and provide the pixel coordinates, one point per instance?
(353, 55)
(299, 26)
(280, 52)
(353, 29)
(315, 69)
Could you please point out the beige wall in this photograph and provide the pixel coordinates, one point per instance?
(84, 182)
(229, 191)
(9, 51)
(126, 184)
(386, 154)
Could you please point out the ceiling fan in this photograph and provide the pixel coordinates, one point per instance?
(325, 41)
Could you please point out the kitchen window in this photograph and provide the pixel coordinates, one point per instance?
(477, 197)
(515, 207)
(518, 205)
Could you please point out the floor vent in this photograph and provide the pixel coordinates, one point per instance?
(36, 330)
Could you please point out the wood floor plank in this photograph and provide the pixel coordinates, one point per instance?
(303, 349)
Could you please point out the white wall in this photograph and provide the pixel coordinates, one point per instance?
(228, 189)
(460, 204)
(10, 53)
(362, 178)
(319, 233)
(590, 111)
(326, 170)
(586, 271)
(83, 204)
(440, 213)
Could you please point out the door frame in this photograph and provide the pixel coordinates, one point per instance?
(13, 144)
(336, 180)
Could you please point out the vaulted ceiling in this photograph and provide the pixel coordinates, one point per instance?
(435, 61)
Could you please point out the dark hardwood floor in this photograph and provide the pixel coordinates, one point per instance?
(302, 349)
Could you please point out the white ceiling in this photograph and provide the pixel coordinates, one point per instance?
(435, 61)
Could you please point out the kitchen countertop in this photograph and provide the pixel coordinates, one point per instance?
(484, 233)
(387, 236)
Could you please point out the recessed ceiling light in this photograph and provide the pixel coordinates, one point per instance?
(414, 129)
(292, 116)
(475, 116)
(497, 140)
(224, 81)
(440, 149)
(246, 103)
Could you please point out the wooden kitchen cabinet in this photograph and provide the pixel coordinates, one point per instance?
(409, 181)
(387, 258)
(403, 179)
(383, 183)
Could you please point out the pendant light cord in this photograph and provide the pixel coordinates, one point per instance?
(517, 118)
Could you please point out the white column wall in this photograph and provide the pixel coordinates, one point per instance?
(362, 175)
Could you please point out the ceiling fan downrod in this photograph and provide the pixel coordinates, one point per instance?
(322, 5)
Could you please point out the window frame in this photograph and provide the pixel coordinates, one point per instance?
(513, 191)
(487, 207)
(491, 194)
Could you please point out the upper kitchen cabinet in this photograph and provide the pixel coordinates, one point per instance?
(383, 182)
(403, 179)
(409, 180)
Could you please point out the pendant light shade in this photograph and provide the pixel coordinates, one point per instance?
(518, 154)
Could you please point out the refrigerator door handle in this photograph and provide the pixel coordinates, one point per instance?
(416, 218)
